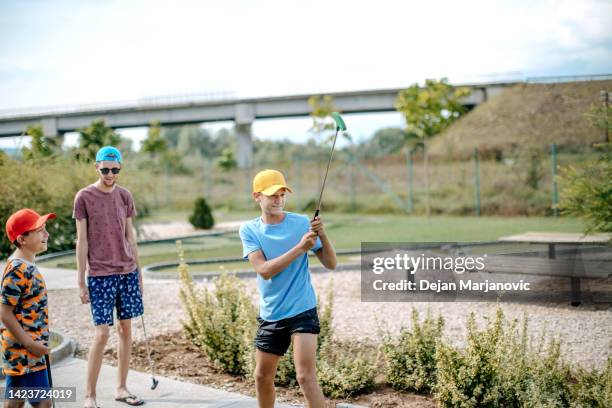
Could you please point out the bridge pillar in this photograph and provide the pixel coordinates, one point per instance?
(49, 127)
(244, 117)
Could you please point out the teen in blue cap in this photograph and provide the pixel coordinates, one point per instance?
(107, 253)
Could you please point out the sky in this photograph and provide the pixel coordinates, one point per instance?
(89, 52)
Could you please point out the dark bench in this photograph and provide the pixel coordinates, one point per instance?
(554, 266)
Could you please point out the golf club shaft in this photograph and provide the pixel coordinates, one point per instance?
(331, 155)
(48, 362)
(144, 329)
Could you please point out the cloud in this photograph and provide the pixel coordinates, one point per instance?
(70, 51)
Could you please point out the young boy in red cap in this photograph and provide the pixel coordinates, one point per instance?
(23, 309)
(277, 245)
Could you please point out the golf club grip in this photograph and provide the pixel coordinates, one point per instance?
(48, 362)
(339, 121)
(316, 214)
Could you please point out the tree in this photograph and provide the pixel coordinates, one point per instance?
(227, 161)
(202, 215)
(171, 134)
(93, 138)
(172, 162)
(427, 112)
(430, 110)
(322, 108)
(587, 191)
(154, 144)
(385, 141)
(601, 116)
(41, 146)
(194, 139)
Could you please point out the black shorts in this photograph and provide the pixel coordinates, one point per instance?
(275, 337)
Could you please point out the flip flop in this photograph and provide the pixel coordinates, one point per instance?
(131, 400)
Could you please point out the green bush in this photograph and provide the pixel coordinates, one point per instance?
(499, 369)
(587, 191)
(43, 185)
(546, 380)
(410, 359)
(472, 378)
(202, 215)
(344, 369)
(220, 323)
(593, 388)
(40, 186)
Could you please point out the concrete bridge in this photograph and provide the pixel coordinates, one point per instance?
(242, 111)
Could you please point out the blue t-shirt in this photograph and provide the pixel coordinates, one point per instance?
(289, 292)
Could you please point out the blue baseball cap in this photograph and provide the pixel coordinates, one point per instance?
(108, 153)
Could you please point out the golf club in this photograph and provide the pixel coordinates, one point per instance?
(340, 125)
(154, 382)
(48, 362)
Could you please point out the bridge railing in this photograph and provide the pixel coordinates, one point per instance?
(148, 101)
(183, 99)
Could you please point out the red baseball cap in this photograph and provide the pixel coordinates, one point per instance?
(23, 221)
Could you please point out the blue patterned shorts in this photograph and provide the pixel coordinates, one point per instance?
(114, 291)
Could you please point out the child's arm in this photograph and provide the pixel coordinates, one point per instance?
(327, 254)
(7, 316)
(82, 247)
(267, 269)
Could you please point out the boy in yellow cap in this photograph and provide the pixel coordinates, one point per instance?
(277, 245)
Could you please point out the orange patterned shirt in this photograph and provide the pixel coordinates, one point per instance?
(24, 288)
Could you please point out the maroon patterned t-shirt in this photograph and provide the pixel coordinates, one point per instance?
(109, 252)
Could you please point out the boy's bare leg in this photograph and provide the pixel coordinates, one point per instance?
(265, 371)
(124, 328)
(94, 362)
(14, 404)
(305, 358)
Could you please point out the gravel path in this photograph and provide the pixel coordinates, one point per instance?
(586, 333)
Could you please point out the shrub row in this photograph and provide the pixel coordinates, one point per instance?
(500, 366)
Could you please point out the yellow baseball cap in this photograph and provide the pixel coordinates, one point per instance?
(268, 182)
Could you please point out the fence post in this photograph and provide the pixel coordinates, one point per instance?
(555, 192)
(410, 204)
(298, 181)
(426, 168)
(605, 100)
(352, 181)
(477, 180)
(207, 180)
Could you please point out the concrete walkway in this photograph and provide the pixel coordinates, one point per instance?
(168, 394)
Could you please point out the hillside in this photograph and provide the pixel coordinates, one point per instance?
(525, 114)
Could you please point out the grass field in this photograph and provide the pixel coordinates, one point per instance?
(347, 231)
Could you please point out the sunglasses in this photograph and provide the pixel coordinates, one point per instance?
(106, 170)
